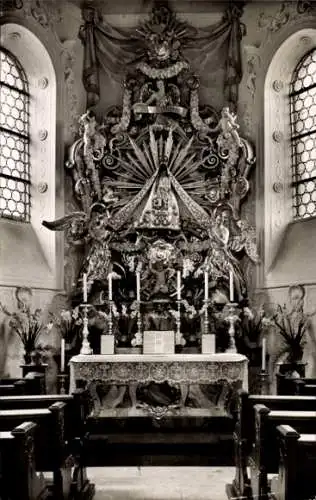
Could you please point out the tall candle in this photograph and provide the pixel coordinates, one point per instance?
(138, 286)
(231, 286)
(264, 351)
(110, 286)
(62, 355)
(178, 285)
(85, 289)
(206, 285)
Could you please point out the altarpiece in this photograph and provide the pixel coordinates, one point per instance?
(159, 185)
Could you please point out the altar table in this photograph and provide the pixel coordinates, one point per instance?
(190, 374)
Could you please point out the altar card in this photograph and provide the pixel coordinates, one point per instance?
(158, 342)
(208, 343)
(107, 344)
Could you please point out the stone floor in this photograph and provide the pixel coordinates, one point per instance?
(160, 483)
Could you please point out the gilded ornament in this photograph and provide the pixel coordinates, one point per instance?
(277, 136)
(42, 134)
(42, 82)
(42, 187)
(278, 85)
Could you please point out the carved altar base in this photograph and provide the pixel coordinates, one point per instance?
(190, 385)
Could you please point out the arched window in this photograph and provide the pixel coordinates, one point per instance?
(14, 139)
(303, 136)
(286, 188)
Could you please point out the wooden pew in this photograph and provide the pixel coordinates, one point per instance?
(18, 477)
(12, 386)
(297, 465)
(50, 447)
(305, 386)
(75, 413)
(244, 434)
(264, 457)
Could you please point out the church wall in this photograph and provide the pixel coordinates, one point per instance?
(267, 24)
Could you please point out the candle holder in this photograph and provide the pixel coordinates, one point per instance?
(264, 385)
(62, 378)
(232, 318)
(179, 340)
(206, 318)
(85, 347)
(110, 324)
(137, 341)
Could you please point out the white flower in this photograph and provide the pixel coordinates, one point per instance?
(248, 312)
(66, 315)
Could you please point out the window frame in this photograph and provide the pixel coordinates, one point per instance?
(276, 229)
(42, 265)
(26, 137)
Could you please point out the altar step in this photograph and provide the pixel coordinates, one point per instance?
(116, 443)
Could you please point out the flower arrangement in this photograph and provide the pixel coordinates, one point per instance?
(67, 322)
(292, 327)
(292, 323)
(26, 324)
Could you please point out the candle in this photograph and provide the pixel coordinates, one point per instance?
(62, 355)
(85, 289)
(264, 351)
(110, 286)
(138, 287)
(206, 285)
(178, 285)
(231, 286)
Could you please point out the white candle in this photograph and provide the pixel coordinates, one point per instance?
(110, 286)
(178, 285)
(138, 286)
(206, 285)
(231, 286)
(264, 351)
(85, 289)
(62, 355)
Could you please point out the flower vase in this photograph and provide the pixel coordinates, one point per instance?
(36, 358)
(27, 357)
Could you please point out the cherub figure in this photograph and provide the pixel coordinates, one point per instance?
(93, 141)
(228, 127)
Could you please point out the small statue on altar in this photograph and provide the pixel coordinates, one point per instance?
(160, 271)
(160, 318)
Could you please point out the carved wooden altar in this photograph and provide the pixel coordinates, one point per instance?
(158, 186)
(199, 385)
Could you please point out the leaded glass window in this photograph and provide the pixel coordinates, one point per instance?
(14, 140)
(303, 136)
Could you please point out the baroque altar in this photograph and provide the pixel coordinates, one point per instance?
(200, 385)
(158, 186)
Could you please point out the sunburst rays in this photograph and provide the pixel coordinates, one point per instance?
(141, 162)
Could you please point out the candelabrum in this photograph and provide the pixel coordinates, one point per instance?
(180, 340)
(110, 318)
(138, 339)
(206, 318)
(85, 347)
(232, 318)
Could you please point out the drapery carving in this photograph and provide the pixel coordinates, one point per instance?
(215, 49)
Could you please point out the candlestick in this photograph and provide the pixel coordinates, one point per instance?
(178, 285)
(137, 286)
(85, 347)
(110, 286)
(231, 286)
(206, 285)
(62, 355)
(85, 289)
(264, 351)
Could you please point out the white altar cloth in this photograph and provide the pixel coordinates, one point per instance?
(174, 368)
